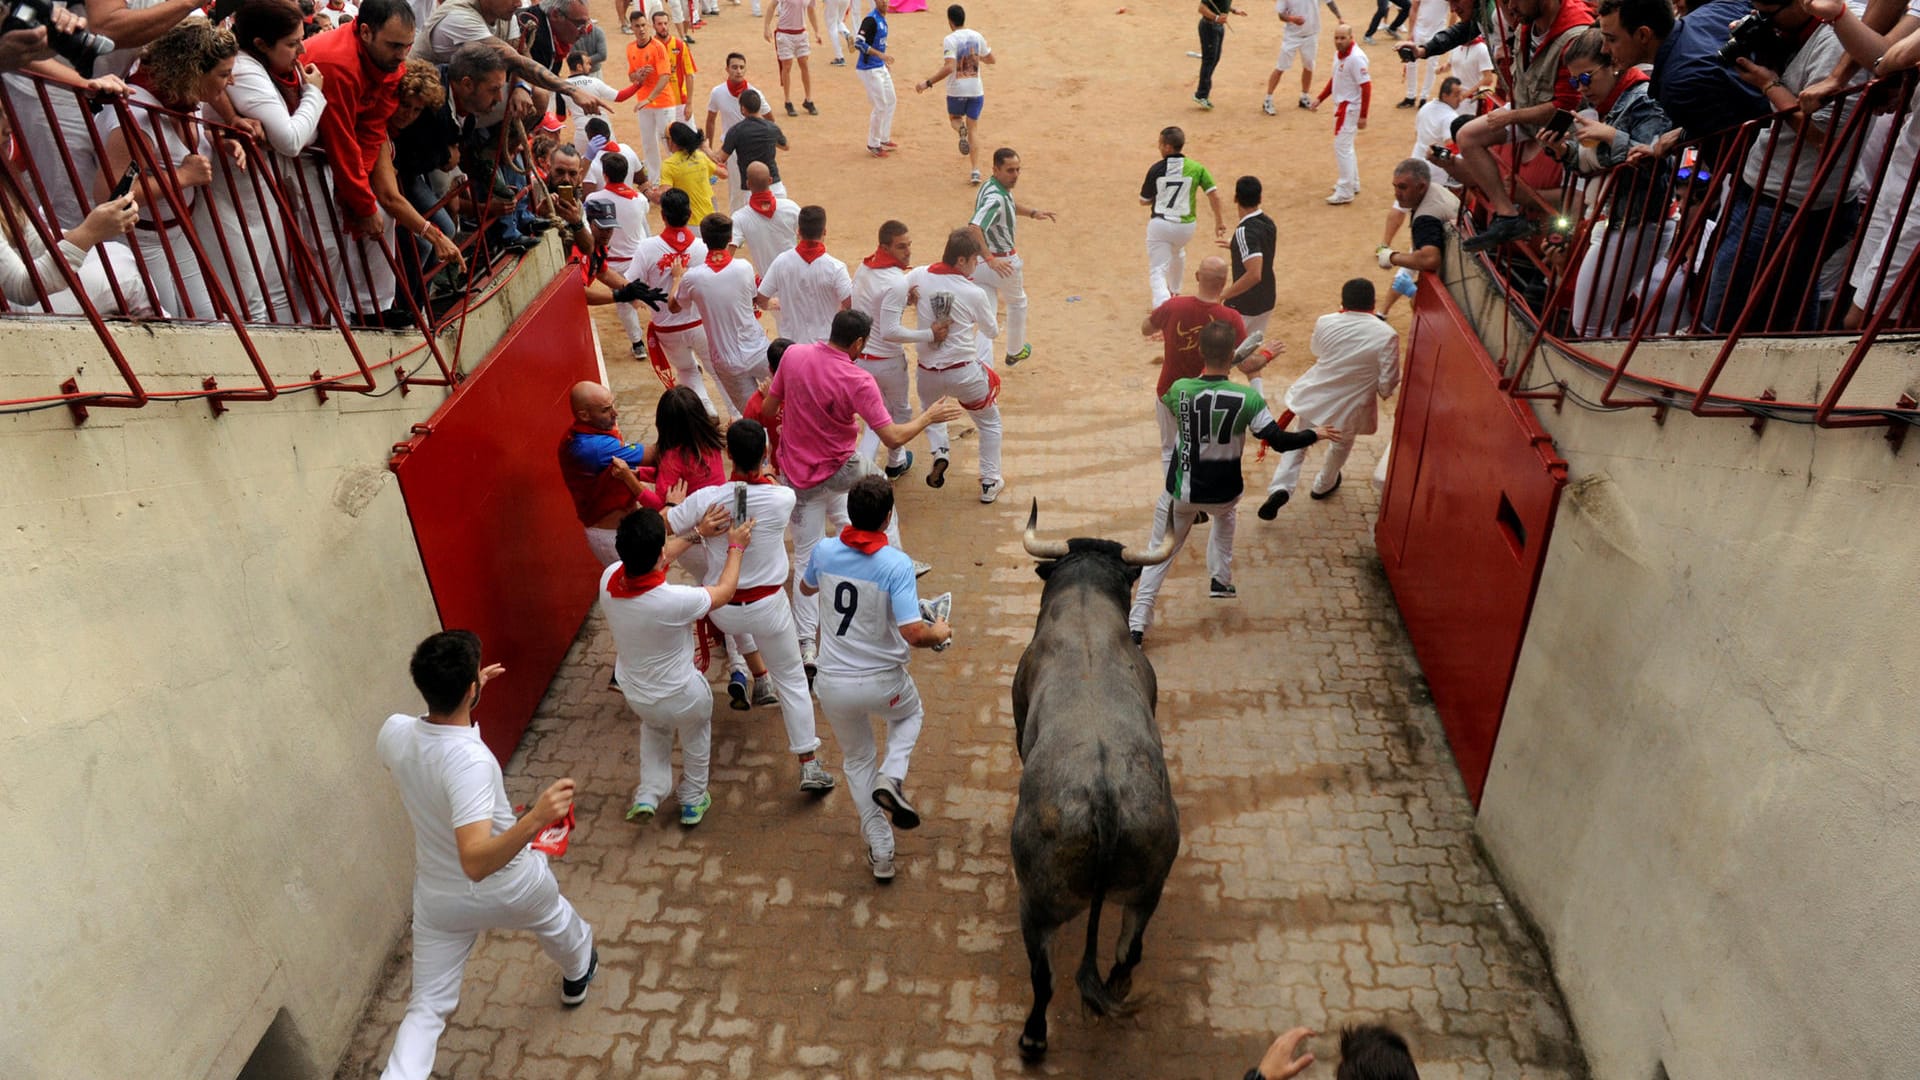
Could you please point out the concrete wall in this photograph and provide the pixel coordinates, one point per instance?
(202, 623)
(1705, 785)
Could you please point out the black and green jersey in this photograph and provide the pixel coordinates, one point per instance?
(1214, 415)
(1172, 186)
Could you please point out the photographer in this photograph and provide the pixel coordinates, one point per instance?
(1701, 93)
(1777, 178)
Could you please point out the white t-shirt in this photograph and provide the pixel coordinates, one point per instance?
(965, 47)
(870, 291)
(1433, 125)
(594, 85)
(1349, 74)
(1470, 65)
(597, 177)
(864, 601)
(653, 637)
(958, 298)
(769, 505)
(447, 778)
(767, 237)
(1306, 9)
(631, 230)
(653, 263)
(722, 103)
(724, 299)
(810, 293)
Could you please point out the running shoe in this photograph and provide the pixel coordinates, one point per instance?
(895, 472)
(975, 178)
(814, 776)
(882, 866)
(1220, 591)
(877, 151)
(791, 111)
(937, 475)
(809, 654)
(966, 144)
(641, 811)
(920, 568)
(574, 991)
(891, 145)
(1202, 102)
(990, 490)
(840, 62)
(1305, 102)
(1137, 635)
(811, 111)
(1026, 350)
(1266, 106)
(1271, 508)
(1318, 495)
(1368, 39)
(1337, 199)
(691, 814)
(1406, 103)
(888, 796)
(737, 690)
(763, 691)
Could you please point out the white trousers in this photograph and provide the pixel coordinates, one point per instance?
(1613, 270)
(1011, 288)
(600, 542)
(1169, 514)
(813, 508)
(1348, 182)
(1286, 475)
(1420, 77)
(362, 277)
(46, 144)
(852, 702)
(964, 383)
(880, 95)
(94, 281)
(191, 282)
(891, 376)
(1883, 254)
(653, 129)
(769, 621)
(837, 11)
(683, 348)
(1166, 257)
(687, 712)
(444, 930)
(739, 378)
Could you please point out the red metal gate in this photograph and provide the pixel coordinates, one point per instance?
(1471, 493)
(503, 552)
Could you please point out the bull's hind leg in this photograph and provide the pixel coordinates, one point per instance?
(1133, 931)
(1033, 1039)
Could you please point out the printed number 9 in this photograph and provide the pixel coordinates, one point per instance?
(846, 601)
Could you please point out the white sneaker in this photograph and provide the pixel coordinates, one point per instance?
(1305, 102)
(882, 866)
(763, 691)
(809, 653)
(1337, 199)
(990, 490)
(1266, 106)
(920, 568)
(814, 776)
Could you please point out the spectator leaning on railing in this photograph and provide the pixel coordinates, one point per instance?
(274, 89)
(84, 247)
(421, 91)
(1697, 90)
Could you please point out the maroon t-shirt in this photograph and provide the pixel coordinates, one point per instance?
(1180, 321)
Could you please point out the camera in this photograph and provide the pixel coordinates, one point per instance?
(1441, 152)
(79, 48)
(1755, 37)
(1407, 53)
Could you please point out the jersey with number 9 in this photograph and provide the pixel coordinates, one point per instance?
(864, 600)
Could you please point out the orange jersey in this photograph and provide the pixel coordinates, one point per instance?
(672, 61)
(652, 54)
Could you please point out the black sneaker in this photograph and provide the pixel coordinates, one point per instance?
(895, 472)
(574, 991)
(1405, 103)
(790, 110)
(811, 111)
(1503, 229)
(1271, 508)
(1218, 591)
(1327, 494)
(937, 475)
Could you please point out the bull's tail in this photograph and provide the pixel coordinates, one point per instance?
(1105, 820)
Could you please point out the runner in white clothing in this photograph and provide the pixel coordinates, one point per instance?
(1352, 91)
(1356, 364)
(472, 869)
(770, 222)
(880, 295)
(873, 617)
(759, 607)
(950, 364)
(1001, 271)
(1300, 39)
(810, 285)
(653, 626)
(723, 105)
(674, 335)
(722, 290)
(630, 214)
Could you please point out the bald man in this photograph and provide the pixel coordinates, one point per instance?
(1178, 322)
(770, 222)
(598, 466)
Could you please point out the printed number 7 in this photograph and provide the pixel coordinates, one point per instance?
(846, 601)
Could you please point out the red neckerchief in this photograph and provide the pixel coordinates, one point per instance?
(679, 239)
(762, 202)
(718, 260)
(943, 268)
(809, 250)
(626, 587)
(611, 147)
(864, 541)
(1346, 52)
(736, 88)
(625, 191)
(882, 259)
(579, 428)
(756, 478)
(1627, 79)
(289, 85)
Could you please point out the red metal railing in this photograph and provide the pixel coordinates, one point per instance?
(213, 265)
(1647, 242)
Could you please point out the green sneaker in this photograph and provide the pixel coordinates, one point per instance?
(641, 811)
(691, 815)
(1014, 358)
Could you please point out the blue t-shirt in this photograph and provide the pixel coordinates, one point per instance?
(873, 31)
(864, 601)
(1698, 92)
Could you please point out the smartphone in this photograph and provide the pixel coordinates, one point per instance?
(564, 190)
(1561, 123)
(125, 185)
(739, 503)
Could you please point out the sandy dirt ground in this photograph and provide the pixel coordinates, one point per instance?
(1328, 874)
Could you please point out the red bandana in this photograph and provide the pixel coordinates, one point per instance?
(679, 240)
(626, 587)
(864, 541)
(943, 268)
(625, 191)
(757, 478)
(718, 260)
(579, 428)
(1344, 53)
(1622, 85)
(735, 88)
(611, 147)
(762, 202)
(809, 250)
(881, 259)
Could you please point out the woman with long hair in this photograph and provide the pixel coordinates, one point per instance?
(420, 90)
(687, 442)
(179, 71)
(272, 87)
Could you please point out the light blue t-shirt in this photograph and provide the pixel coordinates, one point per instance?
(864, 601)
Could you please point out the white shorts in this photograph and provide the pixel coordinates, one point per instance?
(790, 46)
(1291, 47)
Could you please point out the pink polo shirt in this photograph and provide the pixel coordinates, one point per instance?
(821, 393)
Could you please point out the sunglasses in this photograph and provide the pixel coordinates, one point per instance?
(1580, 82)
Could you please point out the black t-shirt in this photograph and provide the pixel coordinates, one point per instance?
(1218, 7)
(755, 138)
(1254, 237)
(1429, 231)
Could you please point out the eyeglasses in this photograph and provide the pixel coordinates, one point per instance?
(1581, 81)
(582, 23)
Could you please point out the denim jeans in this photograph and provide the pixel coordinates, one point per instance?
(1737, 264)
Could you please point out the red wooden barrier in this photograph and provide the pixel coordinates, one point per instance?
(1468, 508)
(503, 552)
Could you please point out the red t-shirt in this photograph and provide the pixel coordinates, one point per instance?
(757, 412)
(1180, 321)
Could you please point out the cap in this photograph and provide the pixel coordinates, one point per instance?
(602, 213)
(550, 123)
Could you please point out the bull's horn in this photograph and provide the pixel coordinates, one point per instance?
(1152, 556)
(1055, 550)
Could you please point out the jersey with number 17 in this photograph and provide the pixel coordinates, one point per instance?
(864, 601)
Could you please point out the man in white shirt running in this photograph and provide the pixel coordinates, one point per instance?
(811, 285)
(880, 295)
(472, 868)
(723, 105)
(630, 228)
(674, 335)
(873, 617)
(1356, 365)
(770, 222)
(786, 26)
(962, 52)
(950, 366)
(1300, 39)
(721, 289)
(759, 606)
(1001, 271)
(653, 626)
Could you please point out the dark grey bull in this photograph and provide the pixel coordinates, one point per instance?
(1096, 819)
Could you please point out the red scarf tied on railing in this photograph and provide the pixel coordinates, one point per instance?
(864, 541)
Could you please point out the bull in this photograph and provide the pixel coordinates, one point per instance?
(1096, 819)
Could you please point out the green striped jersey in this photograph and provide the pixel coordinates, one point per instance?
(993, 212)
